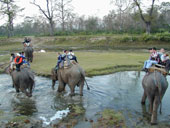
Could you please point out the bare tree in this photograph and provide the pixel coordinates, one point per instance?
(108, 20)
(122, 6)
(48, 12)
(64, 9)
(9, 9)
(147, 21)
(80, 23)
(92, 23)
(70, 22)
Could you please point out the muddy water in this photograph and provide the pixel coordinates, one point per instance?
(120, 91)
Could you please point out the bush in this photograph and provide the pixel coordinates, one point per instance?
(163, 36)
(147, 37)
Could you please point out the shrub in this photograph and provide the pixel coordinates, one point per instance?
(163, 36)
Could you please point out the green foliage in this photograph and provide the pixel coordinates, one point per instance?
(146, 37)
(163, 36)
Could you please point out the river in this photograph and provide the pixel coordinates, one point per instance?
(120, 91)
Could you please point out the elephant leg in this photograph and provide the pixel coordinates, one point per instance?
(150, 104)
(17, 89)
(64, 87)
(72, 87)
(61, 86)
(53, 84)
(143, 98)
(30, 88)
(154, 112)
(26, 93)
(81, 85)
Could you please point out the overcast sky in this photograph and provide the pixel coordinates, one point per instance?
(81, 7)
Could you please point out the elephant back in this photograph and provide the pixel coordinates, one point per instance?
(29, 53)
(28, 50)
(155, 80)
(159, 69)
(23, 78)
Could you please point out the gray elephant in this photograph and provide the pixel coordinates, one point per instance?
(23, 80)
(154, 85)
(29, 53)
(72, 76)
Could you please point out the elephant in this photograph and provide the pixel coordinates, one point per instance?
(29, 53)
(72, 76)
(154, 85)
(23, 80)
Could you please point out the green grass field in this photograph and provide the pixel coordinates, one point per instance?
(94, 63)
(105, 59)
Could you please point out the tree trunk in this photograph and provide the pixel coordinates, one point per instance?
(51, 28)
(148, 27)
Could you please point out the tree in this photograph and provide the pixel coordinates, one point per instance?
(10, 10)
(64, 9)
(109, 21)
(48, 12)
(148, 20)
(164, 19)
(80, 23)
(122, 6)
(92, 23)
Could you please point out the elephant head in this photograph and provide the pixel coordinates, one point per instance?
(54, 77)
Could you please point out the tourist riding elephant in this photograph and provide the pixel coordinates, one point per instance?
(23, 80)
(155, 85)
(29, 53)
(72, 76)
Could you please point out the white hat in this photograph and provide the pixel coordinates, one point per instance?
(18, 54)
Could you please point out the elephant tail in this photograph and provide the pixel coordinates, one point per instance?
(86, 84)
(83, 75)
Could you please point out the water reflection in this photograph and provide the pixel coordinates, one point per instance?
(62, 100)
(23, 105)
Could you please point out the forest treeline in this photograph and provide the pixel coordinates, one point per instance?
(128, 16)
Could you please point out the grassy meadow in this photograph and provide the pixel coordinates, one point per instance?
(94, 63)
(96, 54)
